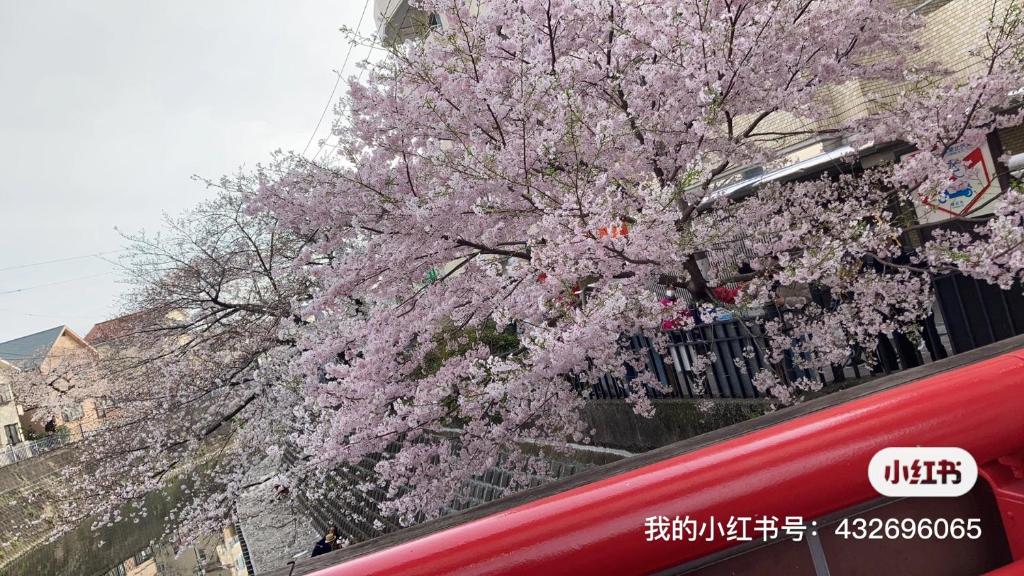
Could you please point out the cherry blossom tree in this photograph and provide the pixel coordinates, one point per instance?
(511, 196)
(192, 376)
(536, 167)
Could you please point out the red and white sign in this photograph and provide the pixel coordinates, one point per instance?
(972, 183)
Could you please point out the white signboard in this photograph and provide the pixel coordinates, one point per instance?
(972, 184)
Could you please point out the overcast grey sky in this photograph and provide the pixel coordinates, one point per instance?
(108, 107)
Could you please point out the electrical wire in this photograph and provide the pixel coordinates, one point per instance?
(337, 82)
(59, 260)
(57, 283)
(56, 316)
(373, 46)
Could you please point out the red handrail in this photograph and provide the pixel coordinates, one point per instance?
(810, 466)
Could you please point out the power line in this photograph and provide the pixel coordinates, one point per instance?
(56, 316)
(59, 260)
(373, 46)
(337, 82)
(68, 281)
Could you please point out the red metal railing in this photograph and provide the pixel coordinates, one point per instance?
(811, 466)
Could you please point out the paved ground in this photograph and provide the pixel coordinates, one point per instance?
(275, 534)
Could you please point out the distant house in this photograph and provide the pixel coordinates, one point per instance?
(231, 554)
(10, 425)
(115, 329)
(141, 564)
(66, 360)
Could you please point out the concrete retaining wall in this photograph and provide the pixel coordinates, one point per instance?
(615, 424)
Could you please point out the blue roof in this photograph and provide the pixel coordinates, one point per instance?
(28, 352)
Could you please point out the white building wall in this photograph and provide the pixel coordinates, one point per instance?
(8, 406)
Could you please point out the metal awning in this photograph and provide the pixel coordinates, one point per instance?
(785, 173)
(1016, 165)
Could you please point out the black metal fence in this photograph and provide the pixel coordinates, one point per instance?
(727, 340)
(967, 314)
(977, 313)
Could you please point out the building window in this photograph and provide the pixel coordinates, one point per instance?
(12, 434)
(102, 405)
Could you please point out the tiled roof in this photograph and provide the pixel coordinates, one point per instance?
(123, 326)
(110, 329)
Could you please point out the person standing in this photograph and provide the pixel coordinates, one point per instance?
(326, 544)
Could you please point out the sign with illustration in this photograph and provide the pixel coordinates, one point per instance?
(972, 183)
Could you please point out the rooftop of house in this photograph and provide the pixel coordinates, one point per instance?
(29, 352)
(114, 328)
(131, 324)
